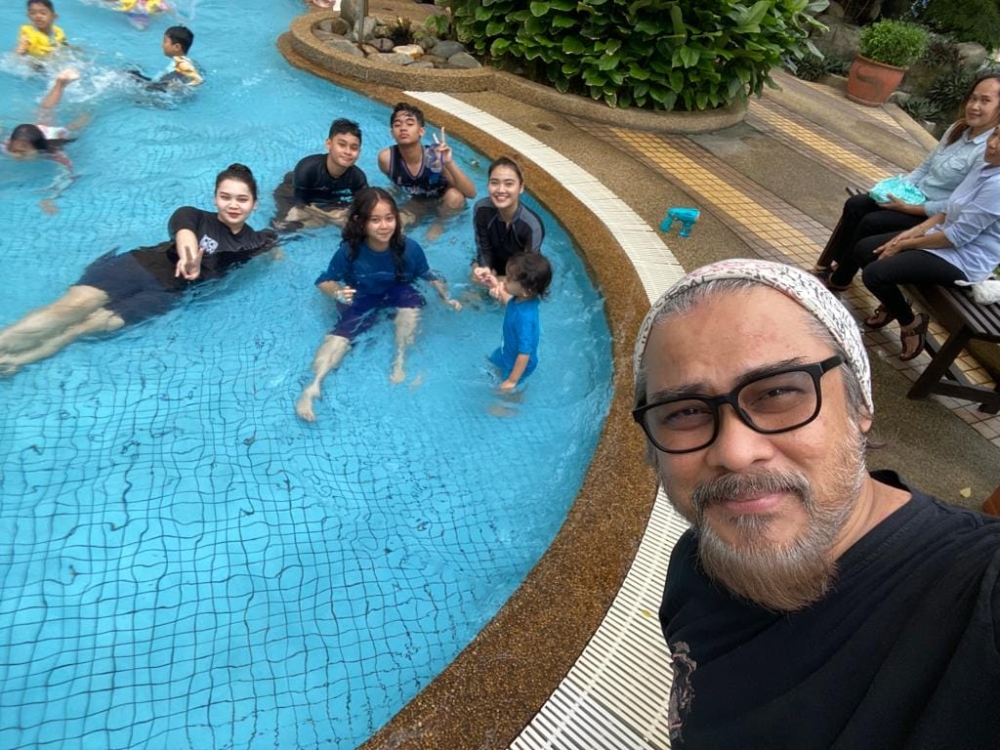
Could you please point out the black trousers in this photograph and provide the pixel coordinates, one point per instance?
(883, 276)
(862, 217)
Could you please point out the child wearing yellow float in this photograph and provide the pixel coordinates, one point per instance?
(41, 37)
(139, 11)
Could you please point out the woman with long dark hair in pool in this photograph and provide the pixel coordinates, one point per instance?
(118, 290)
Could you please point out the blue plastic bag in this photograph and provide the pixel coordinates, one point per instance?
(900, 189)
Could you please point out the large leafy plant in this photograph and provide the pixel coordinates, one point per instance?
(678, 54)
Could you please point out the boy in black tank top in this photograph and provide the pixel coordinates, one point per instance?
(428, 176)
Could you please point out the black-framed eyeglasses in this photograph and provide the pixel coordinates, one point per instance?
(775, 402)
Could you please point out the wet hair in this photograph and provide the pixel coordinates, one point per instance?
(960, 124)
(239, 172)
(358, 214)
(33, 135)
(343, 125)
(46, 3)
(408, 108)
(181, 35)
(532, 271)
(503, 161)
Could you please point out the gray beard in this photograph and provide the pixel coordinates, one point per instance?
(786, 577)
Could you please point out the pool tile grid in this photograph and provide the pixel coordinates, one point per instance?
(778, 231)
(600, 703)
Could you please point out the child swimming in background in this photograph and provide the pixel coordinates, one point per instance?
(42, 138)
(41, 37)
(375, 268)
(527, 282)
(138, 12)
(181, 71)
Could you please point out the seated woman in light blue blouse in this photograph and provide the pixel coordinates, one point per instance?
(960, 244)
(959, 150)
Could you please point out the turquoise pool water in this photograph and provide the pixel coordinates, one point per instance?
(184, 564)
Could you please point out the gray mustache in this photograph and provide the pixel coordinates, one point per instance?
(732, 486)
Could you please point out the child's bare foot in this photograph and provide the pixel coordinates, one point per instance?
(417, 381)
(304, 406)
(398, 374)
(48, 207)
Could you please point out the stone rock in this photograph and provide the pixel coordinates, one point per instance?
(413, 50)
(434, 60)
(428, 42)
(367, 29)
(422, 64)
(841, 41)
(463, 60)
(381, 31)
(334, 26)
(343, 45)
(446, 49)
(835, 9)
(370, 50)
(395, 59)
(972, 54)
(382, 45)
(326, 36)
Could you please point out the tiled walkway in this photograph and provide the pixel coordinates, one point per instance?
(776, 230)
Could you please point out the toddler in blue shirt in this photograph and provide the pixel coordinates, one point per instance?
(527, 281)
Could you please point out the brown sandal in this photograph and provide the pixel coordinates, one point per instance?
(879, 319)
(917, 330)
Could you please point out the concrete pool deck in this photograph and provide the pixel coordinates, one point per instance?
(770, 186)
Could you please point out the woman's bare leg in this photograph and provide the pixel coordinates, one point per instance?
(100, 321)
(51, 321)
(328, 357)
(406, 327)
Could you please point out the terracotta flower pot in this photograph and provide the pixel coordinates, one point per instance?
(870, 82)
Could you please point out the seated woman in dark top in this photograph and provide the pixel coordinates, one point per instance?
(118, 290)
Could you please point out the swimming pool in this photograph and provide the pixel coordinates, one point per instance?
(183, 563)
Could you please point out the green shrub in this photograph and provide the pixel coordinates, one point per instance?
(942, 53)
(966, 20)
(948, 92)
(656, 54)
(921, 109)
(812, 68)
(893, 43)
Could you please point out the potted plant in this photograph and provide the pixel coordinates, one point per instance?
(887, 49)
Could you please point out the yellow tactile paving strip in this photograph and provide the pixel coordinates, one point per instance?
(877, 115)
(822, 146)
(776, 230)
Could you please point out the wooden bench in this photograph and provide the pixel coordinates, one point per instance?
(966, 320)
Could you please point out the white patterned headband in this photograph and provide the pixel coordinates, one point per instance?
(799, 285)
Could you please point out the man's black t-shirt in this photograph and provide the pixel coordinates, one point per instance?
(902, 653)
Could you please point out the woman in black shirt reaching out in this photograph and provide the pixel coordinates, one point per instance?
(118, 290)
